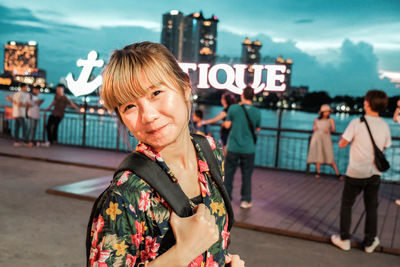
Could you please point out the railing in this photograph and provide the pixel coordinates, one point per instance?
(278, 148)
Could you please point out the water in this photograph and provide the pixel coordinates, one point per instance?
(103, 132)
(292, 119)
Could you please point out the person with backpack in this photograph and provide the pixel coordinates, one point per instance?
(362, 173)
(244, 121)
(138, 220)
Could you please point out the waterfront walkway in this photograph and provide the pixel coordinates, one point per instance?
(287, 203)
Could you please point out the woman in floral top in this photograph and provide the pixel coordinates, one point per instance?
(151, 95)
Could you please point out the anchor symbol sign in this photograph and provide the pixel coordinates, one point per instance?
(82, 86)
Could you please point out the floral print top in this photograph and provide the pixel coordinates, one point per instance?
(131, 218)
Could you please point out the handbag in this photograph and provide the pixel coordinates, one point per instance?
(250, 124)
(380, 160)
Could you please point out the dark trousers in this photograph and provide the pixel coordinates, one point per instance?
(32, 129)
(52, 128)
(20, 122)
(352, 188)
(246, 161)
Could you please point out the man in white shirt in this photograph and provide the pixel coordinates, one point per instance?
(362, 174)
(20, 101)
(33, 114)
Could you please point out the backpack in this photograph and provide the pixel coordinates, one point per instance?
(171, 192)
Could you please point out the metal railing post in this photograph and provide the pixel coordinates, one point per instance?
(118, 135)
(44, 127)
(278, 137)
(84, 123)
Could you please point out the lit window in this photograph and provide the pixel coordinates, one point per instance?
(205, 51)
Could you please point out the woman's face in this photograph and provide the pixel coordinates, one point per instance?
(325, 114)
(159, 118)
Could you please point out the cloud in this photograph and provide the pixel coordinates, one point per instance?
(303, 21)
(352, 68)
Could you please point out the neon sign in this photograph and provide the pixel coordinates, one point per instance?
(207, 76)
(234, 82)
(82, 86)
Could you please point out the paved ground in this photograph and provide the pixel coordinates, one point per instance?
(39, 229)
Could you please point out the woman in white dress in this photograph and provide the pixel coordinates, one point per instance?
(321, 149)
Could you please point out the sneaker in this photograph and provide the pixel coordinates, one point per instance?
(17, 144)
(245, 205)
(343, 244)
(30, 144)
(371, 248)
(46, 144)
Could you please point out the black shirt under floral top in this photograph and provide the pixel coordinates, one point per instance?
(131, 218)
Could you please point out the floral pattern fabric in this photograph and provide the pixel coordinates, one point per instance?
(131, 219)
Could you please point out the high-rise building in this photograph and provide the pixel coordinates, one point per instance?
(171, 34)
(21, 62)
(288, 63)
(250, 55)
(251, 51)
(190, 38)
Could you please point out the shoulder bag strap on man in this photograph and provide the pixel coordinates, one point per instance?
(250, 124)
(369, 131)
(215, 175)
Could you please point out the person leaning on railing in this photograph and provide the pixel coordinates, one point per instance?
(60, 103)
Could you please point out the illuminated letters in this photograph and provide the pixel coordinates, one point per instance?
(207, 76)
(82, 86)
(234, 82)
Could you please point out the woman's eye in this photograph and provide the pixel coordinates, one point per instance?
(155, 93)
(127, 107)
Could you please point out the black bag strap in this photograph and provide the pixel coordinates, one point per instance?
(215, 175)
(171, 192)
(250, 124)
(156, 177)
(362, 119)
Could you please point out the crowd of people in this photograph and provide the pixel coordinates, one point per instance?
(26, 113)
(136, 222)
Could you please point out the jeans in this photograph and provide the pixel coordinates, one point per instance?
(20, 122)
(352, 188)
(246, 161)
(32, 129)
(52, 128)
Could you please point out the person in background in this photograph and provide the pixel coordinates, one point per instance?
(241, 145)
(60, 103)
(151, 95)
(33, 114)
(321, 148)
(227, 99)
(362, 174)
(396, 114)
(198, 117)
(20, 101)
(396, 118)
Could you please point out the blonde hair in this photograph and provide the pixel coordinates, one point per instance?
(130, 69)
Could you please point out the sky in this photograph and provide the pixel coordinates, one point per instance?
(342, 46)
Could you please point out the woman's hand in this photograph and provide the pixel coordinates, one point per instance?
(194, 234)
(235, 260)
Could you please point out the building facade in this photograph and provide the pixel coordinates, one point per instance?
(21, 63)
(190, 38)
(250, 56)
